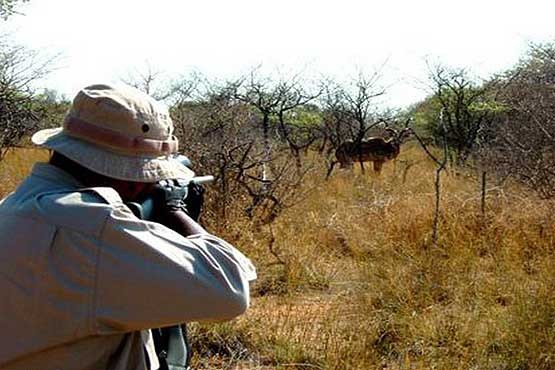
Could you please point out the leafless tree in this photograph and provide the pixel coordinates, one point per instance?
(273, 100)
(222, 135)
(214, 133)
(441, 166)
(20, 110)
(467, 109)
(9, 7)
(299, 135)
(146, 81)
(157, 84)
(521, 142)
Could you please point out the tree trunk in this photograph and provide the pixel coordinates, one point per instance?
(267, 149)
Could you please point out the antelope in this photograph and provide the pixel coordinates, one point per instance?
(374, 149)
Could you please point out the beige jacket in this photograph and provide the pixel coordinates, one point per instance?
(80, 277)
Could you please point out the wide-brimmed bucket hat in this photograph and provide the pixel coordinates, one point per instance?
(119, 132)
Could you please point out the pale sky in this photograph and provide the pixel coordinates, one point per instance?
(103, 40)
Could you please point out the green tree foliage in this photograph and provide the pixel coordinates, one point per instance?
(465, 106)
(425, 115)
(305, 116)
(53, 107)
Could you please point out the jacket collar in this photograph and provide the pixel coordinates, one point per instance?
(54, 174)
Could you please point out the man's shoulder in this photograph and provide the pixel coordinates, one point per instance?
(84, 210)
(79, 198)
(105, 194)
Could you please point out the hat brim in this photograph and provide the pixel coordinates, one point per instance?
(109, 163)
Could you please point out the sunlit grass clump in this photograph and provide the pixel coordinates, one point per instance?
(17, 165)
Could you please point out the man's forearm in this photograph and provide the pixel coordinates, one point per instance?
(182, 223)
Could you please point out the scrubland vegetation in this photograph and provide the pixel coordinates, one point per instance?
(361, 287)
(354, 271)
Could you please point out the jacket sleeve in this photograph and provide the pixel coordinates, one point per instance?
(150, 276)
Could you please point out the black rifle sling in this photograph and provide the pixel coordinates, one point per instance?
(171, 343)
(172, 347)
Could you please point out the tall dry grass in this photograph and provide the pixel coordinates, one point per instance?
(17, 165)
(363, 287)
(358, 284)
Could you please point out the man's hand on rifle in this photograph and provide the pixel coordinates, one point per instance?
(178, 205)
(194, 200)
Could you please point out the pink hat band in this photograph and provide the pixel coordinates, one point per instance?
(101, 135)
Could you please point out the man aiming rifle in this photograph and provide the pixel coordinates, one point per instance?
(82, 278)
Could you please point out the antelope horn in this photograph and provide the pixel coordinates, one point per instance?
(405, 133)
(392, 131)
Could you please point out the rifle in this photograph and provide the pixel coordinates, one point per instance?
(171, 344)
(186, 194)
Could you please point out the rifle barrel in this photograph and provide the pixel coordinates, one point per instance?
(202, 179)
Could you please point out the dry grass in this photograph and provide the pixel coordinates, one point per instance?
(362, 287)
(17, 165)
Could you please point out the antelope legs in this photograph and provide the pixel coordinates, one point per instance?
(378, 166)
